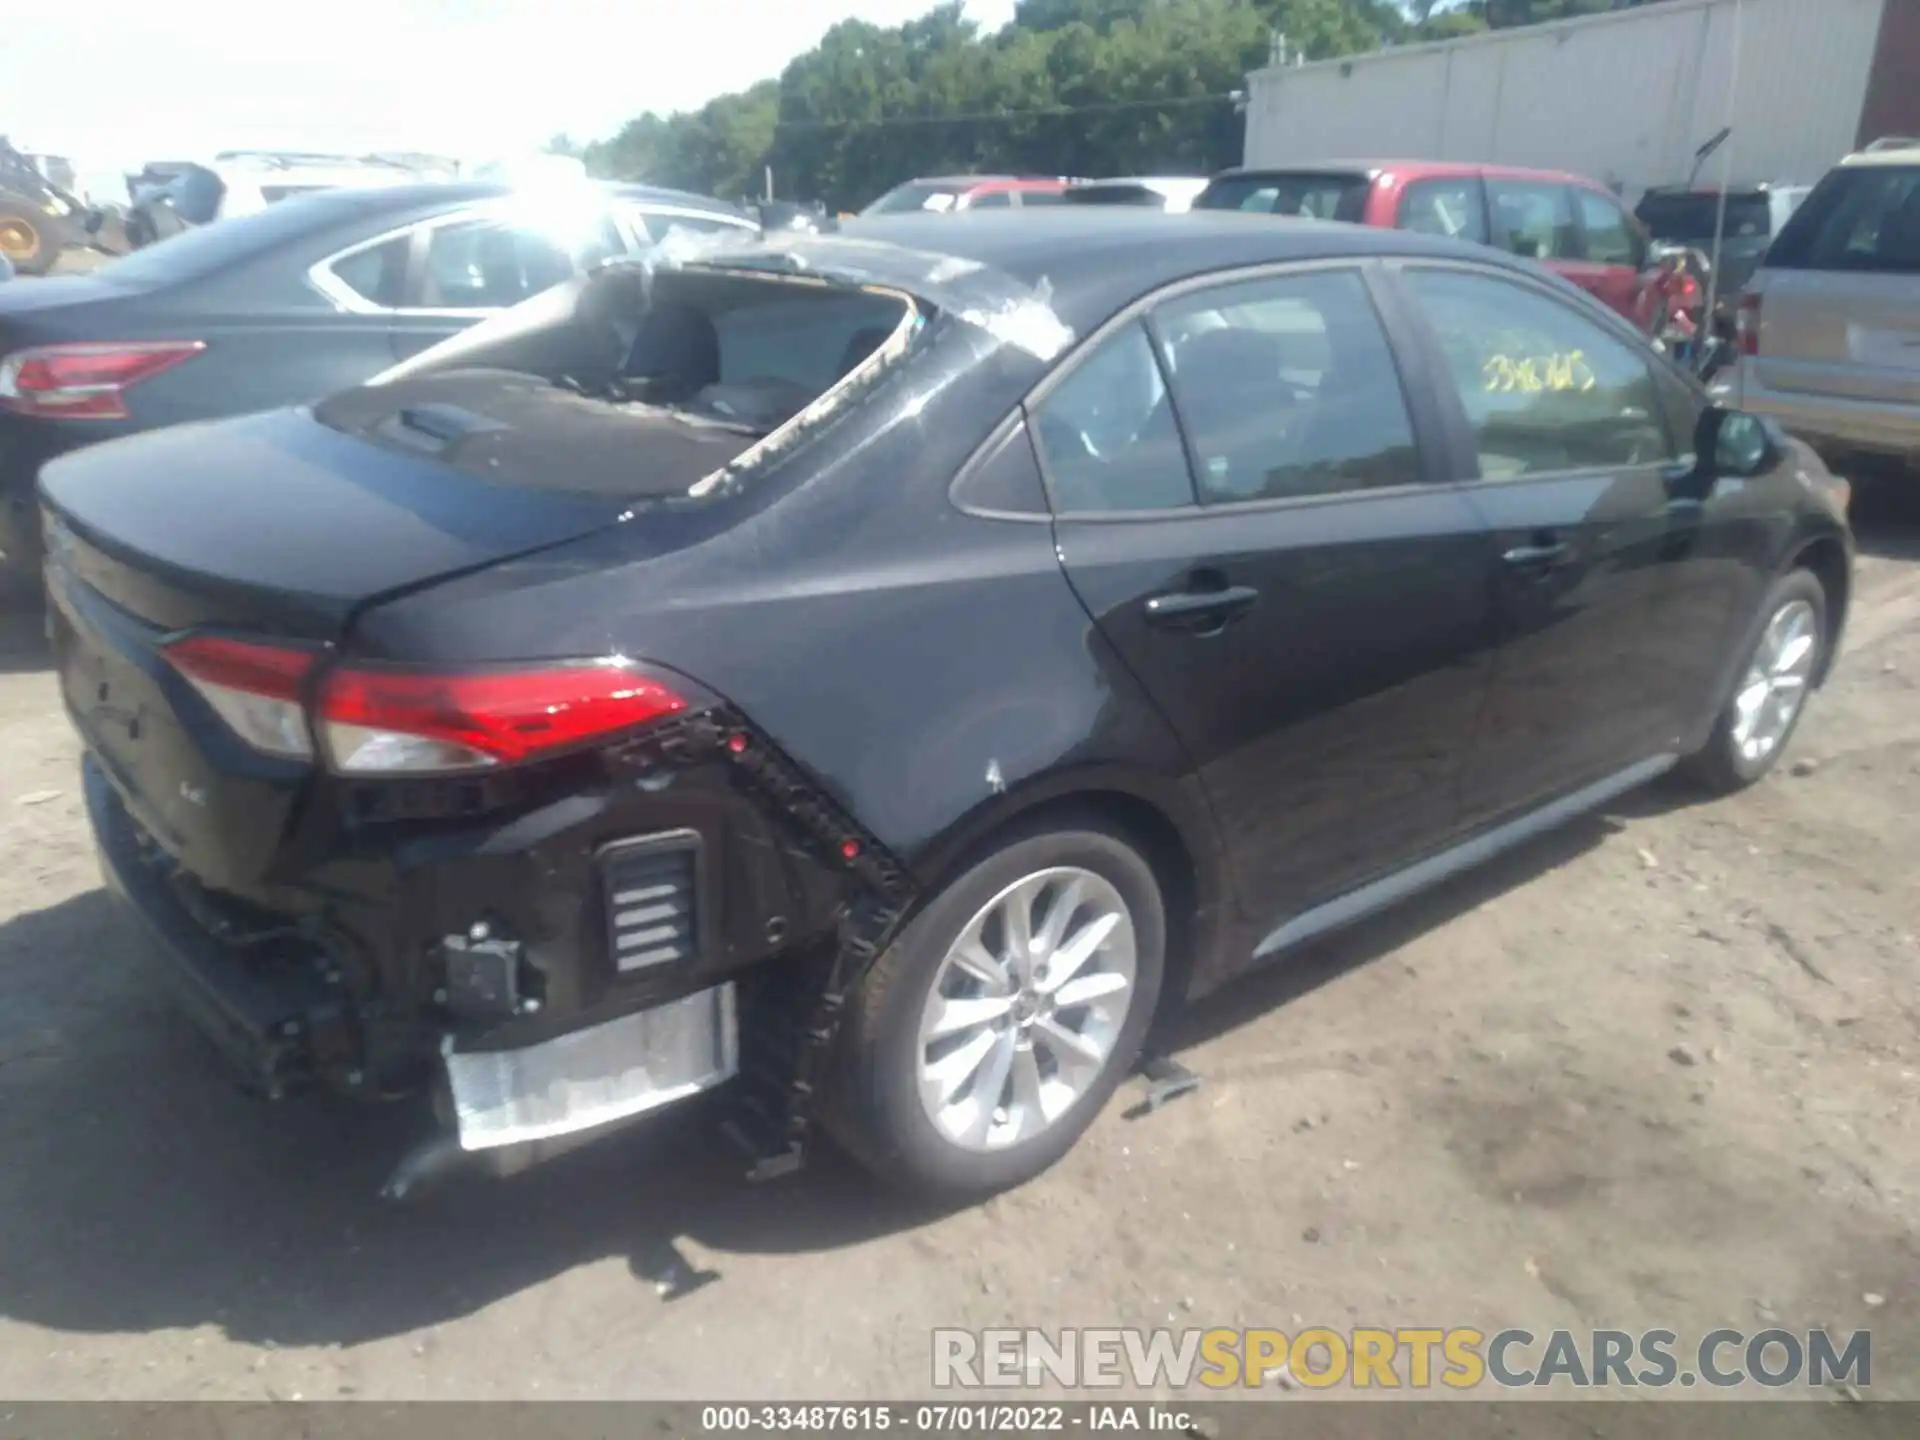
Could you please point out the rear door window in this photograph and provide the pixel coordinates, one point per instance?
(1454, 208)
(1608, 235)
(1287, 388)
(487, 265)
(1108, 434)
(991, 200)
(912, 196)
(1533, 219)
(1861, 217)
(1310, 194)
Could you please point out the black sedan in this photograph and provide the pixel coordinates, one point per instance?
(289, 304)
(883, 674)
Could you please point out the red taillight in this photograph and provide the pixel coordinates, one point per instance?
(409, 722)
(85, 382)
(404, 722)
(255, 688)
(1747, 324)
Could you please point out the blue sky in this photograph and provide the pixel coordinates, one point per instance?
(112, 83)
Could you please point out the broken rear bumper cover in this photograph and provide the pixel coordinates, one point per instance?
(281, 1024)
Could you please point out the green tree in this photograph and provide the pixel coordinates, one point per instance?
(1076, 87)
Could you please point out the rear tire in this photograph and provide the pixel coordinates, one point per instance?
(1029, 1089)
(1783, 650)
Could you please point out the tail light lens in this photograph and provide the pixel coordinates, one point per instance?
(378, 721)
(404, 722)
(1747, 324)
(255, 688)
(85, 382)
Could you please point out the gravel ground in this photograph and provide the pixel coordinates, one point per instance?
(1658, 1069)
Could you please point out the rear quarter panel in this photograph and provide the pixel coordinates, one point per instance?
(930, 668)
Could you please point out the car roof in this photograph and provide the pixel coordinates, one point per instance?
(1095, 259)
(1754, 187)
(1171, 184)
(345, 202)
(972, 182)
(1418, 169)
(1886, 155)
(661, 195)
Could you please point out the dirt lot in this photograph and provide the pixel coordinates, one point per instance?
(1660, 1069)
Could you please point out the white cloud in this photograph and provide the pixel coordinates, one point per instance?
(112, 83)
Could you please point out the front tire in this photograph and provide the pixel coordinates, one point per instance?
(29, 238)
(997, 1025)
(1785, 651)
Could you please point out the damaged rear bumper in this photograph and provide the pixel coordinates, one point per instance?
(263, 1023)
(265, 1005)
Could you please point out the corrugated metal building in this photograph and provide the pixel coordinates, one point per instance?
(1625, 97)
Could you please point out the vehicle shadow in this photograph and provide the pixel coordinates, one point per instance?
(1323, 961)
(1886, 515)
(141, 1191)
(23, 633)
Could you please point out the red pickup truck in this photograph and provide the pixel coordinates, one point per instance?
(1574, 226)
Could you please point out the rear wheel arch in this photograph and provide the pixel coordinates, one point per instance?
(1825, 558)
(1181, 856)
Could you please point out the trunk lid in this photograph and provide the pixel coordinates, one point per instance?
(287, 522)
(281, 527)
(55, 292)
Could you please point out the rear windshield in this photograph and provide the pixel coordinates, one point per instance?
(1864, 217)
(1115, 195)
(1692, 217)
(207, 248)
(1312, 194)
(914, 195)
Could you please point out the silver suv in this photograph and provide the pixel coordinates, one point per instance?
(1830, 326)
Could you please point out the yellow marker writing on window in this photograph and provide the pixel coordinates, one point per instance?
(1531, 374)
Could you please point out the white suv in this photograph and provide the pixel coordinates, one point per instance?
(1830, 325)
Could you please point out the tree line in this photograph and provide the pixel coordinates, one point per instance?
(1068, 87)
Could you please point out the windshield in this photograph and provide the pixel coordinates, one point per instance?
(1691, 218)
(915, 195)
(1127, 194)
(1310, 194)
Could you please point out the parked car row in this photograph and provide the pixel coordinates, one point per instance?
(882, 673)
(1816, 300)
(288, 304)
(1574, 226)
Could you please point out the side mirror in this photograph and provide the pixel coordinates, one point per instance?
(1734, 445)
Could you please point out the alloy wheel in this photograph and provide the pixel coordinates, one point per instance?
(1775, 688)
(1026, 1008)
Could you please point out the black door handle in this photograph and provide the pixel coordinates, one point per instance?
(1550, 553)
(1201, 609)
